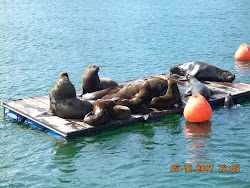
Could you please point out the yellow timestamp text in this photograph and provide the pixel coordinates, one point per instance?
(204, 168)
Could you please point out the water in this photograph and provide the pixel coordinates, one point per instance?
(127, 40)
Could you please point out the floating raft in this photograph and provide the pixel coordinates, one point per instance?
(32, 110)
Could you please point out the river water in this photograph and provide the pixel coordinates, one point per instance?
(128, 40)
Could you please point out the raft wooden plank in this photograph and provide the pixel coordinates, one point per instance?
(42, 99)
(35, 111)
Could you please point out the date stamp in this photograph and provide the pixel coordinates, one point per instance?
(204, 168)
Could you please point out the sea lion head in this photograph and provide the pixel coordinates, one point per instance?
(90, 80)
(177, 70)
(92, 69)
(227, 76)
(62, 89)
(64, 75)
(181, 69)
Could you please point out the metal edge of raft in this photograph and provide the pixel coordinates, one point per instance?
(240, 92)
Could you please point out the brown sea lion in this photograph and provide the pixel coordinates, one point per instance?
(104, 111)
(101, 110)
(91, 81)
(171, 98)
(140, 102)
(63, 101)
(120, 112)
(157, 85)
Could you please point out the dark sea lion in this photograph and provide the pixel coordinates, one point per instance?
(196, 87)
(203, 72)
(228, 101)
(91, 81)
(63, 101)
(171, 98)
(140, 102)
(104, 111)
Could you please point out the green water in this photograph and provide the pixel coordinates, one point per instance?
(127, 40)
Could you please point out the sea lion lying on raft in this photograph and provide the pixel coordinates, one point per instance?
(196, 87)
(139, 103)
(162, 93)
(91, 81)
(158, 87)
(168, 100)
(203, 72)
(63, 101)
(104, 111)
(138, 95)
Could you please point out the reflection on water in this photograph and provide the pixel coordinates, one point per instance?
(242, 66)
(197, 135)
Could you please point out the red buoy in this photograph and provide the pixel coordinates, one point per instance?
(243, 53)
(197, 109)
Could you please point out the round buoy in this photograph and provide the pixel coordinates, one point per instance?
(243, 53)
(197, 109)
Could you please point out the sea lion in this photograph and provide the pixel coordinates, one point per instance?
(158, 86)
(91, 81)
(120, 112)
(104, 111)
(140, 102)
(203, 72)
(100, 115)
(228, 103)
(171, 98)
(196, 87)
(63, 101)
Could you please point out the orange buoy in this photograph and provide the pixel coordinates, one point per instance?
(197, 109)
(243, 53)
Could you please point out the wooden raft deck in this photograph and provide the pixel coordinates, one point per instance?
(32, 110)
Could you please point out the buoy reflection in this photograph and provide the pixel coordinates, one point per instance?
(242, 66)
(198, 135)
(195, 130)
